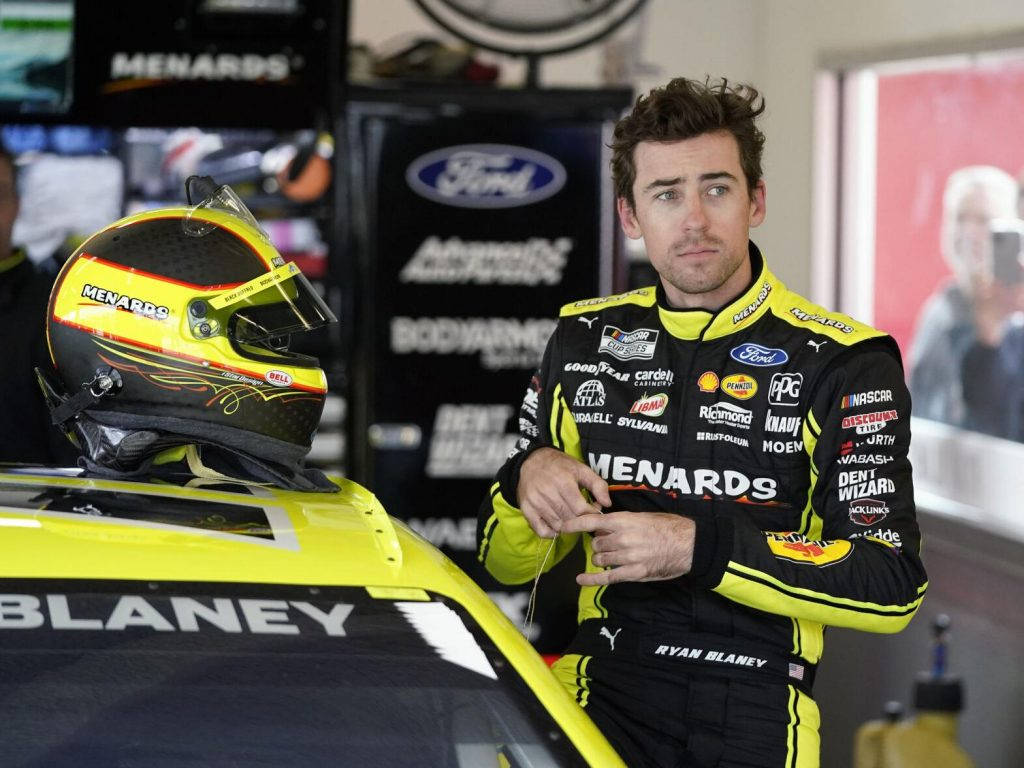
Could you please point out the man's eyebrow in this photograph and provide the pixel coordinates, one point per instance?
(703, 177)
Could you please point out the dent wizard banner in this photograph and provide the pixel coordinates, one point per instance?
(480, 228)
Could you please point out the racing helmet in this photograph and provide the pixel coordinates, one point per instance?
(171, 326)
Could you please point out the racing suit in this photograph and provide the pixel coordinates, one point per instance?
(782, 430)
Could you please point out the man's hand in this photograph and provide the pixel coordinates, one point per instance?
(549, 491)
(639, 546)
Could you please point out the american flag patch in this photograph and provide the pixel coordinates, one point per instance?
(796, 670)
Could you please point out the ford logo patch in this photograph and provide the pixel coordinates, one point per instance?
(485, 176)
(755, 354)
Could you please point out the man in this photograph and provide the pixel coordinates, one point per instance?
(968, 310)
(733, 457)
(25, 427)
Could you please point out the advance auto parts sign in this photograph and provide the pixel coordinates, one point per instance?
(485, 176)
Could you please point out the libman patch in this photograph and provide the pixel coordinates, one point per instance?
(797, 548)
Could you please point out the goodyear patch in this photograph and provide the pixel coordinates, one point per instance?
(797, 548)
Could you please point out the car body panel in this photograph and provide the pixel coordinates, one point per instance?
(59, 526)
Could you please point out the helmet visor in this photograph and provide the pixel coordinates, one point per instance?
(225, 200)
(273, 305)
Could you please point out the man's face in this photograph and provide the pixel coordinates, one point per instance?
(694, 211)
(8, 206)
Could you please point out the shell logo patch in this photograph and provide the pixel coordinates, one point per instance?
(797, 548)
(708, 382)
(740, 385)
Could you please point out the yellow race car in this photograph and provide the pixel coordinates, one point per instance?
(214, 623)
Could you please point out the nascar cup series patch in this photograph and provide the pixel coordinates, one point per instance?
(628, 345)
(797, 548)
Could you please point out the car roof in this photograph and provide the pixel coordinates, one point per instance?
(60, 524)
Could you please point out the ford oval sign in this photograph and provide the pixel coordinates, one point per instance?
(755, 354)
(485, 176)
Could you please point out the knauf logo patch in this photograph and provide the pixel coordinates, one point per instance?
(485, 176)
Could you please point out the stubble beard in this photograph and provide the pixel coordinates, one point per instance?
(694, 279)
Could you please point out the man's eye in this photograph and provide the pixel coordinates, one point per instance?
(718, 190)
(668, 194)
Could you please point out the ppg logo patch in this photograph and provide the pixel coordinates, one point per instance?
(485, 176)
(785, 389)
(628, 345)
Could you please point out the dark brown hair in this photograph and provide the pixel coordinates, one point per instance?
(683, 109)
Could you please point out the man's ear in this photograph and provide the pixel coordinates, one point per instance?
(627, 218)
(758, 205)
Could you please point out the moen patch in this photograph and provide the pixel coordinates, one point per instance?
(797, 548)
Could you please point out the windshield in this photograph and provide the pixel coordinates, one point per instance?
(129, 673)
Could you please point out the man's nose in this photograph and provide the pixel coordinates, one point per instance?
(694, 217)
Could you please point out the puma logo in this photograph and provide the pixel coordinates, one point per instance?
(610, 636)
(816, 344)
(588, 321)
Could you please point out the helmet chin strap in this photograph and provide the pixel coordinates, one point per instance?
(106, 383)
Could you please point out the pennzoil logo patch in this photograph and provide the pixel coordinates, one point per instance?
(740, 386)
(797, 548)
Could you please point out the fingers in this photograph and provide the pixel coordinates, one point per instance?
(631, 572)
(593, 482)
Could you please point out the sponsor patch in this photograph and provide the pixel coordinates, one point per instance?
(788, 425)
(856, 483)
(596, 368)
(868, 511)
(727, 414)
(592, 418)
(278, 378)
(722, 437)
(708, 382)
(782, 446)
(650, 405)
(712, 483)
(591, 394)
(751, 308)
(642, 425)
(485, 176)
(866, 398)
(628, 345)
(125, 302)
(811, 317)
(797, 548)
(757, 355)
(658, 377)
(886, 536)
(784, 389)
(740, 386)
(866, 423)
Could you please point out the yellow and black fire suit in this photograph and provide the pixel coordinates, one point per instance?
(782, 429)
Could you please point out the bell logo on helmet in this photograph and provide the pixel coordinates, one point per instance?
(278, 378)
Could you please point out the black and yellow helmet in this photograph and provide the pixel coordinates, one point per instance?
(176, 321)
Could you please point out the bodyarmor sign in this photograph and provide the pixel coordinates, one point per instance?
(478, 229)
